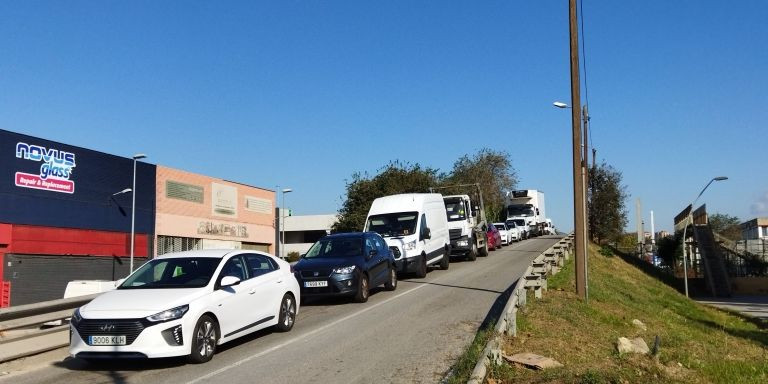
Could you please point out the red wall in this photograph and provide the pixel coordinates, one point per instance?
(65, 241)
(33, 240)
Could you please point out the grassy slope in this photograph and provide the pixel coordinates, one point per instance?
(698, 344)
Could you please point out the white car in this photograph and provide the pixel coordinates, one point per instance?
(514, 231)
(186, 304)
(505, 233)
(522, 227)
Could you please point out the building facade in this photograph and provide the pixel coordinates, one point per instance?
(755, 229)
(201, 212)
(65, 215)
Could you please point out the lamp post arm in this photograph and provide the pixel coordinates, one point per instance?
(701, 193)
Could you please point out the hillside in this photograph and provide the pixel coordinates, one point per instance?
(698, 344)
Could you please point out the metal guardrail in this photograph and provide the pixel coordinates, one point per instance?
(22, 332)
(547, 263)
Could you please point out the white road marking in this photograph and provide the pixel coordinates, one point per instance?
(301, 337)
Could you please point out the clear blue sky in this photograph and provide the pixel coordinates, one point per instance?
(302, 94)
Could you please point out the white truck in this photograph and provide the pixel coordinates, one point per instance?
(466, 222)
(528, 205)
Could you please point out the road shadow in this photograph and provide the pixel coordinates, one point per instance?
(759, 336)
(451, 286)
(113, 370)
(497, 308)
(309, 301)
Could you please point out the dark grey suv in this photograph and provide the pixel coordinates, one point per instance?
(346, 264)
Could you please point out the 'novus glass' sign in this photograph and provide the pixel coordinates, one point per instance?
(55, 170)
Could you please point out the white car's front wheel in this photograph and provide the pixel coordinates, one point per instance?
(203, 340)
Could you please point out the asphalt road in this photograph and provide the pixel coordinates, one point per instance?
(411, 335)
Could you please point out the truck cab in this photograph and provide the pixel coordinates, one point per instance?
(466, 227)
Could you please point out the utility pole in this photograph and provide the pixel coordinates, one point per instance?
(639, 226)
(594, 157)
(578, 187)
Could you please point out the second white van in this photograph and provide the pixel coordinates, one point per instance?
(415, 228)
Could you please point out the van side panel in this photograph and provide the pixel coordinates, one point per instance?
(438, 226)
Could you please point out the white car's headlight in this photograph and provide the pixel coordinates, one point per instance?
(410, 246)
(168, 315)
(344, 270)
(462, 243)
(76, 318)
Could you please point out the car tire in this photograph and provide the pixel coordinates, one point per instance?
(204, 339)
(445, 262)
(391, 283)
(472, 255)
(363, 289)
(287, 314)
(484, 250)
(421, 271)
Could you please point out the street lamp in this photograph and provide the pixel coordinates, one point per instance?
(584, 185)
(282, 224)
(121, 192)
(136, 157)
(685, 228)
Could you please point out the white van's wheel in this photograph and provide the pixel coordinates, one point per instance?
(445, 262)
(421, 271)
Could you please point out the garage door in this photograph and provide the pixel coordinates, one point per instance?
(36, 278)
(255, 247)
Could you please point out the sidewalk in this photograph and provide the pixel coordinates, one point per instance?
(751, 305)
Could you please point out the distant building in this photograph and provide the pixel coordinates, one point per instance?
(662, 234)
(302, 231)
(755, 229)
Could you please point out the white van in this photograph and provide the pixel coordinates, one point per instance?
(415, 227)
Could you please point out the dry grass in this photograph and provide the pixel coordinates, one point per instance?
(698, 344)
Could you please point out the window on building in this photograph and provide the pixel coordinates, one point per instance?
(168, 244)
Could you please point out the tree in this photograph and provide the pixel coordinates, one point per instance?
(394, 178)
(670, 249)
(606, 204)
(726, 225)
(493, 171)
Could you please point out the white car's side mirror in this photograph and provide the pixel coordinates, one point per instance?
(228, 281)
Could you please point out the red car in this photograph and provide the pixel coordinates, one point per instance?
(494, 238)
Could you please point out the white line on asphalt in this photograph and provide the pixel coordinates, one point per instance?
(301, 337)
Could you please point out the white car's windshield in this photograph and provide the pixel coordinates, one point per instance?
(187, 272)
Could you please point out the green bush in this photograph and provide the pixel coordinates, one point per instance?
(293, 256)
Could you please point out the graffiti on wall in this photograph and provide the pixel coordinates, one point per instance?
(222, 229)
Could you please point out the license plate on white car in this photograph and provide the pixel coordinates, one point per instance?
(106, 340)
(315, 284)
